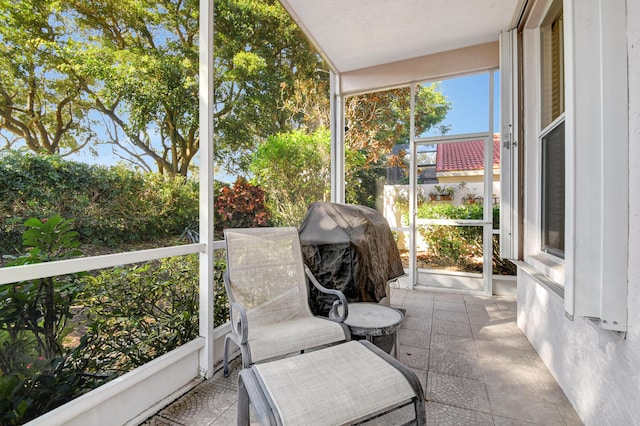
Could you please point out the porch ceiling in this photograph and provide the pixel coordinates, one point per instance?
(357, 34)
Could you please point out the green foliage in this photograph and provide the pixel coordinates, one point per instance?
(221, 303)
(36, 372)
(362, 179)
(452, 245)
(111, 205)
(135, 63)
(42, 307)
(263, 61)
(378, 121)
(45, 384)
(448, 211)
(41, 101)
(240, 206)
(132, 315)
(363, 184)
(138, 62)
(458, 246)
(293, 169)
(140, 312)
(443, 191)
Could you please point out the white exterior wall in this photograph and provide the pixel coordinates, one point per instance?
(633, 46)
(599, 370)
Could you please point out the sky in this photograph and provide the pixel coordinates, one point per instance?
(469, 97)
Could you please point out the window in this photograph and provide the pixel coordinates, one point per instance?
(552, 138)
(552, 240)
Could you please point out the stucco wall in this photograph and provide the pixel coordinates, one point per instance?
(598, 370)
(633, 8)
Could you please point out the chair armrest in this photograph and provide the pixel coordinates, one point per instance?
(240, 326)
(342, 300)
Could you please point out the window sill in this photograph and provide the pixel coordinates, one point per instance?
(548, 265)
(546, 271)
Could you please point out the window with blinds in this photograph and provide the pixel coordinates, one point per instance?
(552, 140)
(552, 69)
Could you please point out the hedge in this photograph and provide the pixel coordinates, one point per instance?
(110, 205)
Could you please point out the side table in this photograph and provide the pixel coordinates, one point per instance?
(372, 319)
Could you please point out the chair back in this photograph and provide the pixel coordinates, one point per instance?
(266, 273)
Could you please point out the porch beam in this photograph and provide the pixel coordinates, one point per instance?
(468, 60)
(487, 229)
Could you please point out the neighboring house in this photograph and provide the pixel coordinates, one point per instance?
(450, 163)
(464, 161)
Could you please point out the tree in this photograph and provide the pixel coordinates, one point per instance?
(138, 63)
(293, 170)
(375, 123)
(378, 121)
(135, 62)
(41, 104)
(262, 60)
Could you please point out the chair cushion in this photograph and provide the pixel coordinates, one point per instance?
(291, 336)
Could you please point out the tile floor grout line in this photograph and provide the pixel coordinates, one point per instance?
(428, 355)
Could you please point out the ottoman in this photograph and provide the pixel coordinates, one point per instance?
(342, 384)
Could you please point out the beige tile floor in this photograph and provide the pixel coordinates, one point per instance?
(475, 365)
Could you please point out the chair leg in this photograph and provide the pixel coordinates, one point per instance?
(421, 414)
(226, 356)
(243, 402)
(250, 392)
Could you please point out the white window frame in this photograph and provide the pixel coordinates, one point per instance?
(546, 264)
(592, 278)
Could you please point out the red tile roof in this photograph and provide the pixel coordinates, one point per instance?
(467, 155)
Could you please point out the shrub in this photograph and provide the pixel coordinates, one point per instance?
(133, 315)
(221, 302)
(42, 307)
(37, 373)
(140, 312)
(459, 246)
(111, 205)
(293, 169)
(240, 206)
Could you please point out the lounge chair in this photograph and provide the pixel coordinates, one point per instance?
(269, 297)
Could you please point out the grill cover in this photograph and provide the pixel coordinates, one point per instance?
(349, 248)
